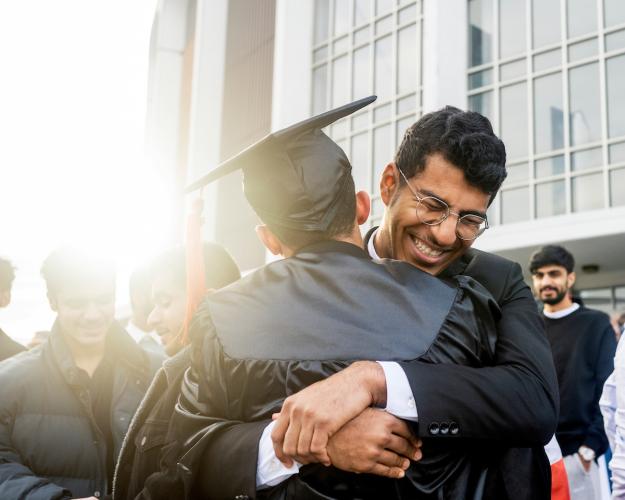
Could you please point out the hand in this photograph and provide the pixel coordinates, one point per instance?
(308, 419)
(374, 442)
(585, 463)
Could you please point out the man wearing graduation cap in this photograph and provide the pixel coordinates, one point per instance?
(297, 321)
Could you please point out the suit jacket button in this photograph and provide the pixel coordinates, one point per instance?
(434, 428)
(454, 428)
(185, 470)
(444, 428)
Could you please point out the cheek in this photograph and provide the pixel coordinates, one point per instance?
(175, 314)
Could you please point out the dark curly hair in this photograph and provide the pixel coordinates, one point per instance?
(552, 255)
(464, 138)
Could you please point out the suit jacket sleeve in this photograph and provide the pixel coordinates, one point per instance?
(515, 401)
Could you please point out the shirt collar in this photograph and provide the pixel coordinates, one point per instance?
(563, 312)
(371, 247)
(138, 335)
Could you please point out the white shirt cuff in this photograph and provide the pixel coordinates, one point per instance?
(399, 399)
(270, 471)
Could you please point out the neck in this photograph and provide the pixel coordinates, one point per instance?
(563, 304)
(86, 357)
(382, 242)
(355, 238)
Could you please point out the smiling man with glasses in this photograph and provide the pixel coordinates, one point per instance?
(436, 192)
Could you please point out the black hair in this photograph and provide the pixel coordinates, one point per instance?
(66, 267)
(342, 223)
(552, 255)
(464, 138)
(219, 266)
(7, 275)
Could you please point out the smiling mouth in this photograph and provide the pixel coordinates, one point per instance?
(426, 250)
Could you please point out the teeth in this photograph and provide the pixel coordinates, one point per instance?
(426, 249)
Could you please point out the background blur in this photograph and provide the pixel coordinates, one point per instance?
(108, 108)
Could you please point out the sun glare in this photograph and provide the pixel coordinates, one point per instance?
(72, 163)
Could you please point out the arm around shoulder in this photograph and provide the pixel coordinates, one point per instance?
(515, 400)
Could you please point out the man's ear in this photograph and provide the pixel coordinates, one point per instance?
(363, 207)
(389, 183)
(5, 298)
(271, 242)
(570, 279)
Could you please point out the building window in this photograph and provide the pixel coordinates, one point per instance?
(550, 75)
(609, 299)
(364, 47)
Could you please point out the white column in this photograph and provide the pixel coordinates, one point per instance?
(445, 46)
(165, 84)
(209, 63)
(292, 71)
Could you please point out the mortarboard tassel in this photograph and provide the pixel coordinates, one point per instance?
(196, 284)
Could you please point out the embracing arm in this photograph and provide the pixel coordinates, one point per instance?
(515, 401)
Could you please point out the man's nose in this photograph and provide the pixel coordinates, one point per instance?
(445, 232)
(154, 318)
(92, 312)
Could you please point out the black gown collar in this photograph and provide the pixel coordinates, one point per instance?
(334, 246)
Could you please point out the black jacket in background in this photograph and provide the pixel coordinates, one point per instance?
(583, 346)
(8, 347)
(137, 474)
(50, 445)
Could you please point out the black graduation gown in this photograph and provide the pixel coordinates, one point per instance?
(301, 319)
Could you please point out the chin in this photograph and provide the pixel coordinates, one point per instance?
(90, 340)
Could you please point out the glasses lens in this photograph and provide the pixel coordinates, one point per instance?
(432, 211)
(470, 227)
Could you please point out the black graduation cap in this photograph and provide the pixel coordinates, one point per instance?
(294, 177)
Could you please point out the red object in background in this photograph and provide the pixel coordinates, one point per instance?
(559, 479)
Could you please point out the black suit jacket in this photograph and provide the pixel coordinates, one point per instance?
(514, 402)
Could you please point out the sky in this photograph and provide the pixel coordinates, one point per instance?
(72, 118)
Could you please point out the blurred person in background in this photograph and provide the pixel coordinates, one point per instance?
(169, 292)
(139, 288)
(583, 346)
(613, 409)
(65, 406)
(8, 347)
(138, 466)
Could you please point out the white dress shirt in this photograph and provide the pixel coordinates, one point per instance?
(613, 409)
(399, 402)
(146, 340)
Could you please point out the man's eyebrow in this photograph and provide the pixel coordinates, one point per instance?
(462, 212)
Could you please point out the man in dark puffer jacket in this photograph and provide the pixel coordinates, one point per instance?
(65, 406)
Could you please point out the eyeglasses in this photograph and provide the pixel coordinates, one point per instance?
(432, 211)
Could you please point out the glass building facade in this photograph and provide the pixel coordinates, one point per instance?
(364, 47)
(550, 74)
